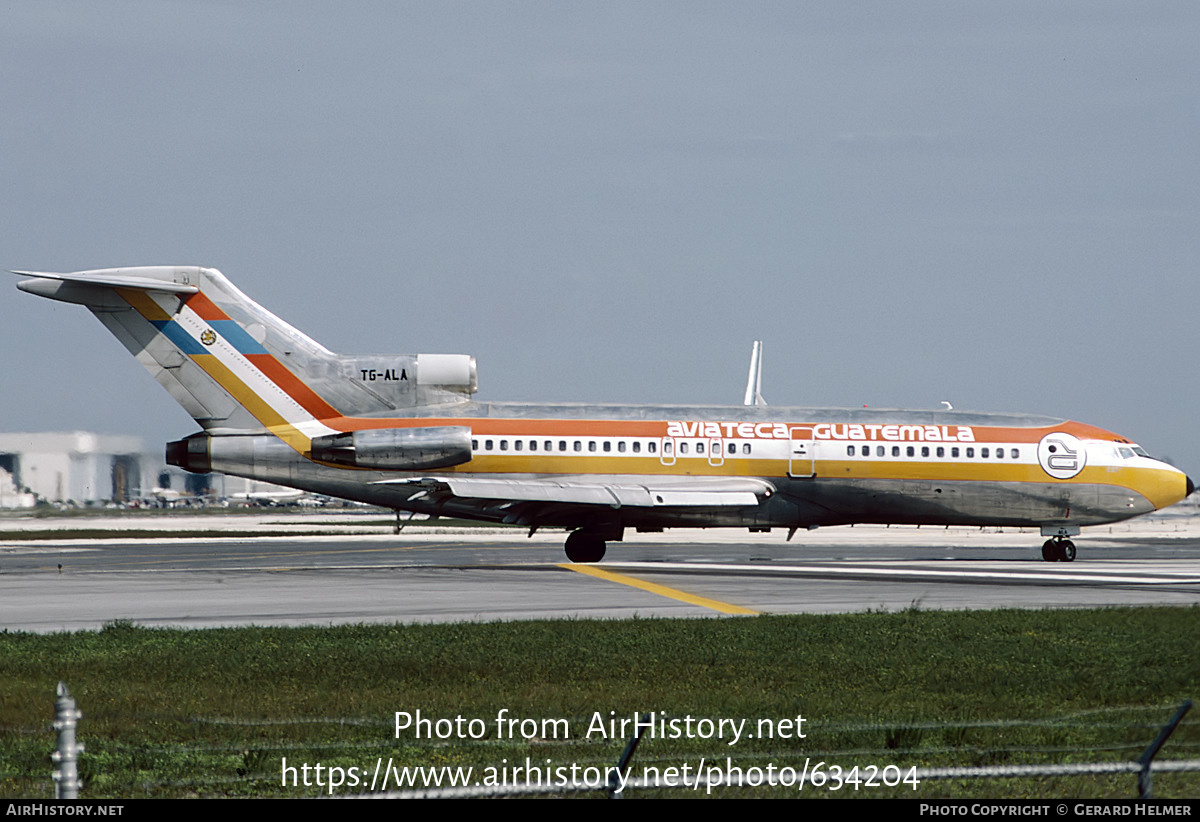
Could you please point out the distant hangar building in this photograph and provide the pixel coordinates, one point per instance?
(82, 468)
(78, 466)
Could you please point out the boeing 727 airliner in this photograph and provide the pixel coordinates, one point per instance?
(402, 431)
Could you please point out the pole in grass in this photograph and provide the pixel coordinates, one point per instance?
(66, 754)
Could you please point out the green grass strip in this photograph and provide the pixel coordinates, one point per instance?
(214, 712)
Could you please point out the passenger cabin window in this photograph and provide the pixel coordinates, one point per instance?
(895, 450)
(666, 448)
(683, 447)
(621, 446)
(607, 446)
(850, 450)
(699, 448)
(591, 445)
(954, 452)
(637, 447)
(941, 452)
(924, 450)
(910, 451)
(653, 447)
(489, 444)
(503, 445)
(983, 452)
(474, 445)
(733, 447)
(746, 448)
(517, 445)
(1015, 454)
(562, 445)
(970, 453)
(578, 445)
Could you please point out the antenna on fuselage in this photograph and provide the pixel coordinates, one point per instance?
(754, 380)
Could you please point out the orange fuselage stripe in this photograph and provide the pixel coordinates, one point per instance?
(1159, 484)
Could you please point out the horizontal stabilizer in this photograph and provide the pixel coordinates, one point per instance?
(143, 279)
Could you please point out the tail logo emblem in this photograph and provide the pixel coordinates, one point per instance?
(208, 337)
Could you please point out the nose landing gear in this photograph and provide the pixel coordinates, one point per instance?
(1058, 549)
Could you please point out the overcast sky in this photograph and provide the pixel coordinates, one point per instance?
(995, 204)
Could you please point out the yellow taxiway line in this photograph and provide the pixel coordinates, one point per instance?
(661, 590)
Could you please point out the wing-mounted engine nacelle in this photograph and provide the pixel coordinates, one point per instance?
(397, 449)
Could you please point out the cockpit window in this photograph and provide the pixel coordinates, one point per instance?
(1126, 453)
(1141, 452)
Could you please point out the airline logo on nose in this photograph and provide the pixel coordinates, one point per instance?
(1061, 455)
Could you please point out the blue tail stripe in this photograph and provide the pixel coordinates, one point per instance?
(236, 336)
(183, 341)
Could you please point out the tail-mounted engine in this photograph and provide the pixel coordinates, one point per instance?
(397, 449)
(380, 384)
(191, 454)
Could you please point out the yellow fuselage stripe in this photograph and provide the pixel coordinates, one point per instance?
(949, 470)
(1160, 487)
(661, 590)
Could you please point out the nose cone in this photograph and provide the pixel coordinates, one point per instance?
(1162, 485)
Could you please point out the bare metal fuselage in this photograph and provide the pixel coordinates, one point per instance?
(838, 491)
(403, 431)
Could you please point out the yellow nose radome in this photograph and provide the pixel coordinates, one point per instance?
(1163, 486)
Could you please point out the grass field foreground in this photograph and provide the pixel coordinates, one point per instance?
(215, 712)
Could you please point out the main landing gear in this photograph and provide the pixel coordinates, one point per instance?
(1058, 549)
(584, 546)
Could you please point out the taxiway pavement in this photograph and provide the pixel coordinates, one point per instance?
(439, 575)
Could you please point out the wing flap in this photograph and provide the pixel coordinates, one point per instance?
(697, 493)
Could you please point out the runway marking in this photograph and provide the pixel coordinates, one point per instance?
(851, 570)
(661, 590)
(234, 553)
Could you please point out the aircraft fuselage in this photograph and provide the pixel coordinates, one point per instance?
(403, 431)
(823, 466)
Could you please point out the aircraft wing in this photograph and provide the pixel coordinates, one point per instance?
(672, 492)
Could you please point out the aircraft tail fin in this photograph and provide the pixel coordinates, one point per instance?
(235, 367)
(754, 380)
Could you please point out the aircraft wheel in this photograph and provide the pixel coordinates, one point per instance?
(1066, 551)
(584, 547)
(1050, 551)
